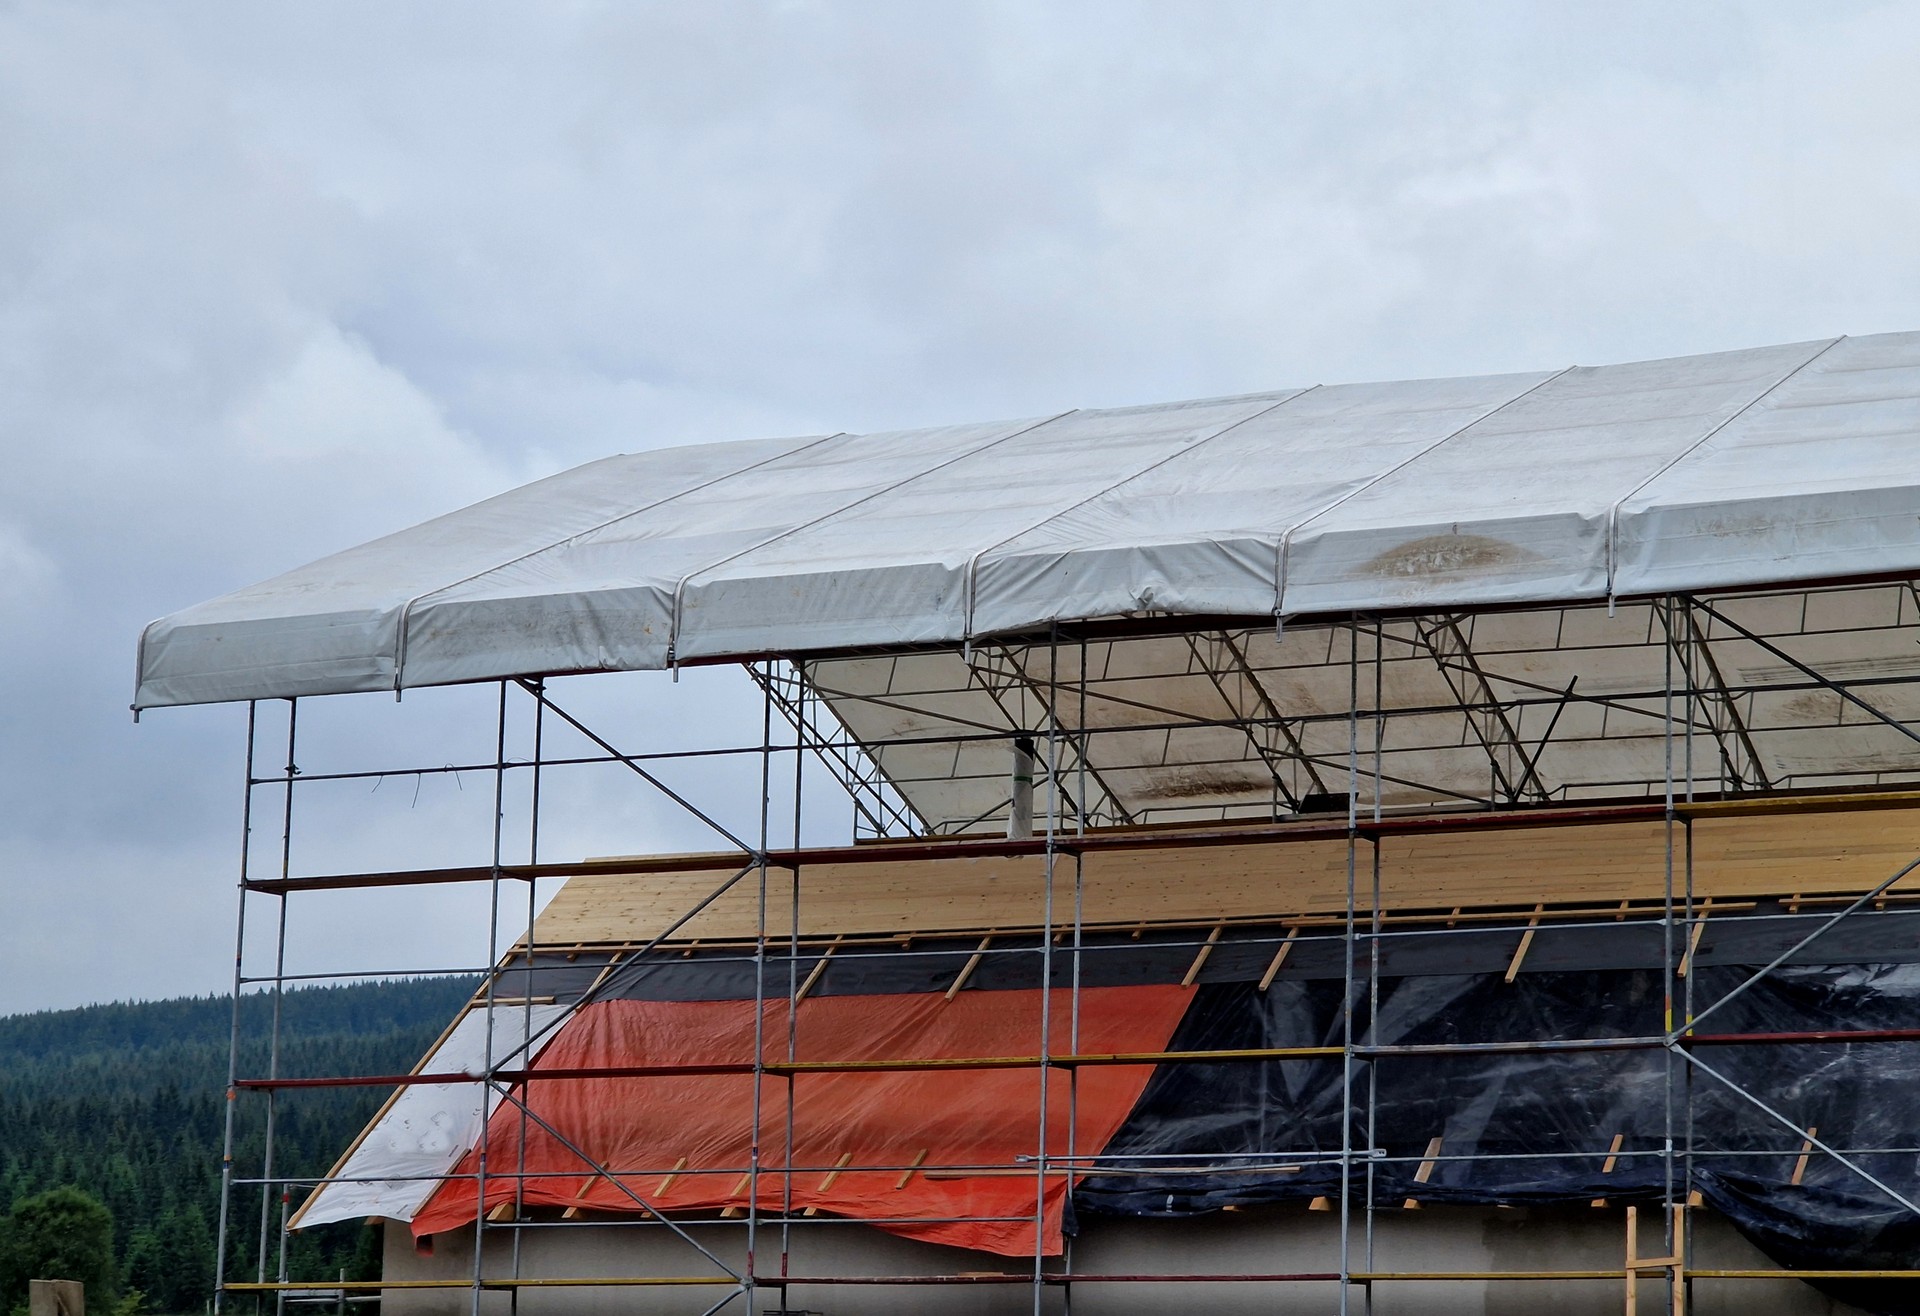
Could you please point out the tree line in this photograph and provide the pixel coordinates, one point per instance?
(124, 1105)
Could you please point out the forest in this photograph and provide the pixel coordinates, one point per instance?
(125, 1103)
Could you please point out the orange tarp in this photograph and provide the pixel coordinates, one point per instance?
(873, 1125)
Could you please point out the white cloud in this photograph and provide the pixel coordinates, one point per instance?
(332, 409)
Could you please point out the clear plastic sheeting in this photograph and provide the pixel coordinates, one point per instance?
(1569, 1127)
(1759, 467)
(424, 1131)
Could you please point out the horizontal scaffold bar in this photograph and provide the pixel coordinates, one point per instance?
(782, 1068)
(1049, 1278)
(1134, 838)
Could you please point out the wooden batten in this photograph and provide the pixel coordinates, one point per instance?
(1200, 960)
(1814, 853)
(1279, 958)
(913, 1167)
(1526, 942)
(966, 971)
(1425, 1172)
(1613, 1159)
(1806, 1150)
(1693, 937)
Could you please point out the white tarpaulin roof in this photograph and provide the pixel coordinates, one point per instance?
(1766, 466)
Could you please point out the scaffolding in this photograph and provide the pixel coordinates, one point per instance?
(1349, 733)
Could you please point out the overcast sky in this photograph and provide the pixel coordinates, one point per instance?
(275, 279)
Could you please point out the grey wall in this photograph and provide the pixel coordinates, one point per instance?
(1279, 1239)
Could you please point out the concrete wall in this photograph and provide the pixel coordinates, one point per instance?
(1269, 1240)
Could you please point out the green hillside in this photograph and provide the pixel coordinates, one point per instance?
(126, 1103)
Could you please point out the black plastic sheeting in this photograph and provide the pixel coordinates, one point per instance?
(1539, 1125)
(1533, 1127)
(1239, 953)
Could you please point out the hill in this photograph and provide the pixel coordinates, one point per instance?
(125, 1101)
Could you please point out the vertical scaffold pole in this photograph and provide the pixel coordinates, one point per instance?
(279, 985)
(801, 691)
(1347, 966)
(487, 1000)
(1376, 928)
(1668, 966)
(233, 1036)
(1046, 969)
(538, 688)
(1079, 925)
(754, 1150)
(1683, 1248)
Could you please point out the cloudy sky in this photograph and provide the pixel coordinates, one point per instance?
(275, 279)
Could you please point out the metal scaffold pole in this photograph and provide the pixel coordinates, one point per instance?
(267, 1186)
(530, 950)
(755, 1152)
(1042, 1164)
(233, 1037)
(1668, 967)
(1375, 927)
(497, 824)
(1347, 978)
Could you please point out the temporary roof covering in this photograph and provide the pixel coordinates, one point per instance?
(1755, 467)
(617, 1132)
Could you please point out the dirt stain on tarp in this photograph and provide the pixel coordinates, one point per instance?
(1212, 782)
(1449, 555)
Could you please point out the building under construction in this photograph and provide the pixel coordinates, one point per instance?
(1438, 846)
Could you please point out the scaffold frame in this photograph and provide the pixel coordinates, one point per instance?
(1700, 720)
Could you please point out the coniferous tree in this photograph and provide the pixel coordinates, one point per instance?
(127, 1102)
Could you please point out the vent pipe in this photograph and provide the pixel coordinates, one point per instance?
(1020, 816)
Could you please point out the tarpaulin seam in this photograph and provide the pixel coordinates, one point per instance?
(679, 589)
(973, 562)
(1613, 512)
(406, 609)
(1284, 548)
